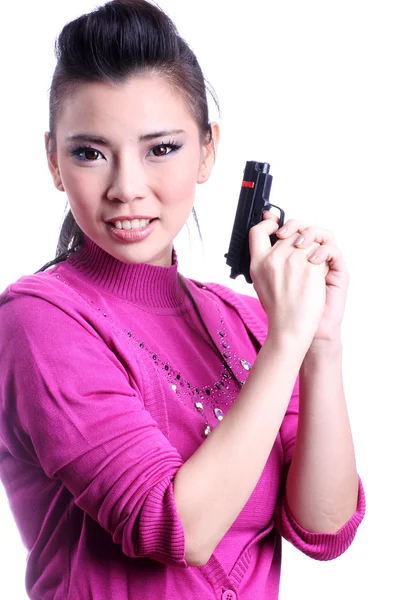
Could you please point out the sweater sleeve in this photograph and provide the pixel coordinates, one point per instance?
(68, 405)
(321, 546)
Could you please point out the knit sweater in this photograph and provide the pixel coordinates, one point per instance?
(108, 384)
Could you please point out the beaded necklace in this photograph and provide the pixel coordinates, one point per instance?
(219, 394)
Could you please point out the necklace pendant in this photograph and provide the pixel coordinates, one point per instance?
(245, 364)
(219, 414)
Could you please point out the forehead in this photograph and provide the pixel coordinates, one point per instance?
(135, 105)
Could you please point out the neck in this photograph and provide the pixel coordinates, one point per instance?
(143, 284)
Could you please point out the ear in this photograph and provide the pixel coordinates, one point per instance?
(209, 154)
(52, 162)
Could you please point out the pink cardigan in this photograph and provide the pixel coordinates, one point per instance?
(103, 366)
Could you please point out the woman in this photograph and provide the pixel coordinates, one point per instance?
(136, 461)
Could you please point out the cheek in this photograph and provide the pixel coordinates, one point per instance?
(181, 181)
(81, 185)
(179, 193)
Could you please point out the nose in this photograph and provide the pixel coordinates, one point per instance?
(128, 180)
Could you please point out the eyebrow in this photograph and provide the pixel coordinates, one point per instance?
(96, 139)
(156, 134)
(86, 137)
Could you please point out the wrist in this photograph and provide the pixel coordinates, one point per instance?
(323, 351)
(287, 343)
(329, 345)
(328, 335)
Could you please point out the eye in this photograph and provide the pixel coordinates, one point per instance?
(161, 150)
(164, 149)
(86, 154)
(90, 154)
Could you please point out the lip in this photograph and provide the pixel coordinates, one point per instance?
(132, 235)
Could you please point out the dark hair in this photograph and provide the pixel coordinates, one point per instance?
(113, 42)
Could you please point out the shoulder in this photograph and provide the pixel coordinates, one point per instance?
(38, 302)
(22, 294)
(43, 285)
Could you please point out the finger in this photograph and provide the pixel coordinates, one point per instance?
(329, 254)
(267, 214)
(288, 244)
(314, 234)
(289, 228)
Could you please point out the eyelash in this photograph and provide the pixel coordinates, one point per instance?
(172, 146)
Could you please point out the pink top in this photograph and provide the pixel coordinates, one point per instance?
(107, 386)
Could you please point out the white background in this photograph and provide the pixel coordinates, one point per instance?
(312, 88)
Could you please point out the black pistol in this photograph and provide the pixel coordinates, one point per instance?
(253, 201)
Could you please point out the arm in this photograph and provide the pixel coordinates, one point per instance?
(322, 484)
(212, 487)
(304, 300)
(320, 546)
(323, 491)
(69, 406)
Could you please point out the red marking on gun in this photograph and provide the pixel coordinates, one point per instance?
(248, 184)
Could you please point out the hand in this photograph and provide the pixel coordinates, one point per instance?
(290, 286)
(336, 276)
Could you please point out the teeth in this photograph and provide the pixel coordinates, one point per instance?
(139, 223)
(134, 224)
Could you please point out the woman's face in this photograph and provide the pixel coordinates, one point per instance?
(127, 154)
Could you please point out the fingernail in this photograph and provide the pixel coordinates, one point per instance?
(299, 240)
(282, 230)
(313, 257)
